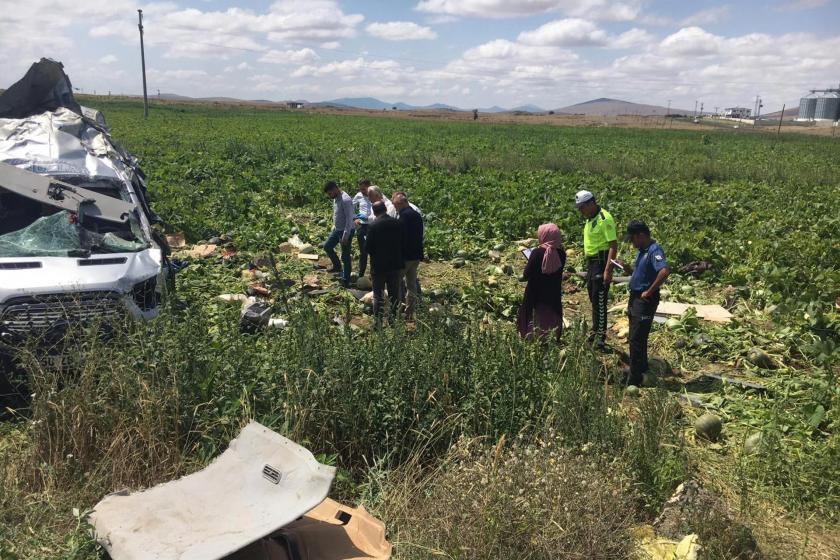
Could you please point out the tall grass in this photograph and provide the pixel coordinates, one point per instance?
(160, 399)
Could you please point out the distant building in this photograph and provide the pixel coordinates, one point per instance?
(737, 112)
(294, 104)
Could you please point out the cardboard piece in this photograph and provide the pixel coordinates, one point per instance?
(202, 250)
(667, 309)
(261, 483)
(714, 313)
(308, 256)
(322, 535)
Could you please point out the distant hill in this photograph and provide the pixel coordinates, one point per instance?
(613, 107)
(358, 103)
(176, 97)
(790, 113)
(529, 109)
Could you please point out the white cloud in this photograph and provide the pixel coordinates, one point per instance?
(707, 16)
(194, 33)
(330, 45)
(692, 41)
(401, 31)
(108, 59)
(595, 9)
(299, 56)
(573, 32)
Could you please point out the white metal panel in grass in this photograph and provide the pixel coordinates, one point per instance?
(262, 482)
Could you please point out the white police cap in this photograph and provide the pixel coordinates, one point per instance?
(583, 197)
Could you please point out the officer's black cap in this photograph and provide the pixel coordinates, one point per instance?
(636, 226)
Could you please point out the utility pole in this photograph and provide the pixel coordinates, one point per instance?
(755, 110)
(701, 109)
(143, 64)
(760, 105)
(695, 107)
(780, 119)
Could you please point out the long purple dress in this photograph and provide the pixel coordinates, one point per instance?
(542, 306)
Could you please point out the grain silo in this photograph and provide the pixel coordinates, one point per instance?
(828, 106)
(807, 108)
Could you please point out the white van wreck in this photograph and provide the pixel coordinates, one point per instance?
(76, 241)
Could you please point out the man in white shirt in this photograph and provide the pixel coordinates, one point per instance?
(362, 204)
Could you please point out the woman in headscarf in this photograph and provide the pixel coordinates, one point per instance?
(542, 307)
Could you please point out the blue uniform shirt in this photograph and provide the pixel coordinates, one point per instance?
(648, 264)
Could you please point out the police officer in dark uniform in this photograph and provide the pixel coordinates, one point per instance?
(650, 271)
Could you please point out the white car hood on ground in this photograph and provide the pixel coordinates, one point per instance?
(262, 482)
(65, 274)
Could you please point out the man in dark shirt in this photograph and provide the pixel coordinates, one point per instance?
(650, 271)
(412, 225)
(385, 249)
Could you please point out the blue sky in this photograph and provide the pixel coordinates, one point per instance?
(470, 53)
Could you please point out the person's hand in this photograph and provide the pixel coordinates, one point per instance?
(357, 221)
(607, 277)
(646, 295)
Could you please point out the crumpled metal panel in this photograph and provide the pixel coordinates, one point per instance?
(262, 482)
(62, 144)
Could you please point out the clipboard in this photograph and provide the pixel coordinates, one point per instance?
(526, 253)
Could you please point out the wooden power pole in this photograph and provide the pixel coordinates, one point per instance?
(143, 63)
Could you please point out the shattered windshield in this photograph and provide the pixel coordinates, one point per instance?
(58, 235)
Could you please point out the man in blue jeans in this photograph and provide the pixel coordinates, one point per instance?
(342, 232)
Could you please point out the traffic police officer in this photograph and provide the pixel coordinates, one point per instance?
(650, 271)
(599, 248)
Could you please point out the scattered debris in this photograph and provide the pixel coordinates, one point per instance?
(696, 268)
(278, 322)
(311, 282)
(258, 289)
(632, 391)
(202, 251)
(359, 294)
(693, 509)
(176, 241)
(253, 316)
(653, 547)
(743, 383)
(233, 297)
(308, 256)
(494, 256)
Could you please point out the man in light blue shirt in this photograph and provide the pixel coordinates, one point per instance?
(363, 215)
(342, 232)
